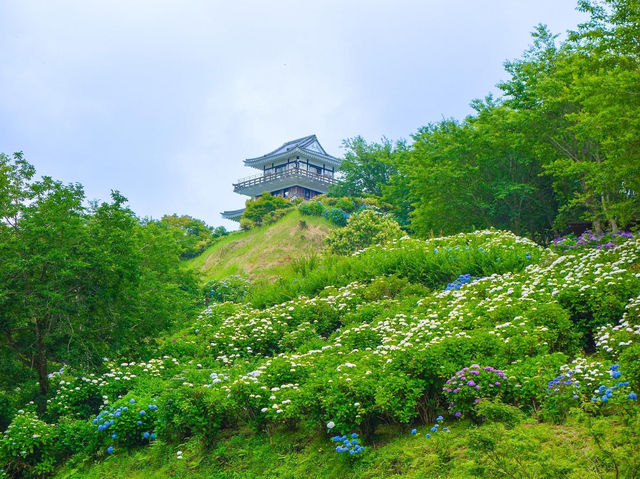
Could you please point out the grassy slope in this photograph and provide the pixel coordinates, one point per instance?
(263, 251)
(529, 450)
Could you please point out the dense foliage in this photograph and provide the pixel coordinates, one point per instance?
(79, 283)
(264, 210)
(193, 235)
(363, 229)
(560, 144)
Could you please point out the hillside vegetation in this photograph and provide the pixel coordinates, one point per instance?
(476, 355)
(264, 251)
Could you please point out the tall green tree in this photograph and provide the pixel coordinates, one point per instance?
(79, 283)
(581, 98)
(366, 167)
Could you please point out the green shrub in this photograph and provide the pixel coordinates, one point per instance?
(128, 422)
(556, 407)
(336, 216)
(497, 411)
(28, 446)
(76, 397)
(303, 334)
(232, 288)
(185, 412)
(630, 362)
(247, 224)
(529, 377)
(273, 216)
(363, 229)
(346, 204)
(78, 436)
(314, 208)
(262, 210)
(470, 385)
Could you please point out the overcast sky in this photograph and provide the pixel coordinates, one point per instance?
(162, 100)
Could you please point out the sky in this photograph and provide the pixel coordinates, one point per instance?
(163, 100)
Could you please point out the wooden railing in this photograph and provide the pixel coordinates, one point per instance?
(266, 178)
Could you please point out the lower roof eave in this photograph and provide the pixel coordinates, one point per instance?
(233, 215)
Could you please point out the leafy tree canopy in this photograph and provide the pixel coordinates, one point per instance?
(78, 283)
(193, 235)
(366, 167)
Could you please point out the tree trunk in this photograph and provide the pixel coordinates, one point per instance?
(41, 360)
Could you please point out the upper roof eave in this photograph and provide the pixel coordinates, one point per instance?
(332, 160)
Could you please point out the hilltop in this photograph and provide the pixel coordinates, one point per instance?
(264, 251)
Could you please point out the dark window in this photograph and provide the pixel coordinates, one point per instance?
(307, 194)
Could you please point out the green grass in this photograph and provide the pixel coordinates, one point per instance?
(528, 450)
(265, 251)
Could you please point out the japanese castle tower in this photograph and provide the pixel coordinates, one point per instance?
(298, 169)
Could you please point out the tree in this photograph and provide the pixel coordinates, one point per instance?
(582, 100)
(366, 167)
(193, 235)
(78, 283)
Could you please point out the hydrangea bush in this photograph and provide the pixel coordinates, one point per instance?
(470, 385)
(28, 446)
(589, 239)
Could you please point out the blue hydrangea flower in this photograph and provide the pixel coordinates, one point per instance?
(132, 401)
(413, 431)
(439, 418)
(113, 436)
(354, 435)
(633, 396)
(427, 435)
(142, 412)
(110, 449)
(145, 435)
(153, 435)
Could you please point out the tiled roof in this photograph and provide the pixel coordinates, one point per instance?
(308, 144)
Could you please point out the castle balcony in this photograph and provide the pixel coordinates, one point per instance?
(272, 180)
